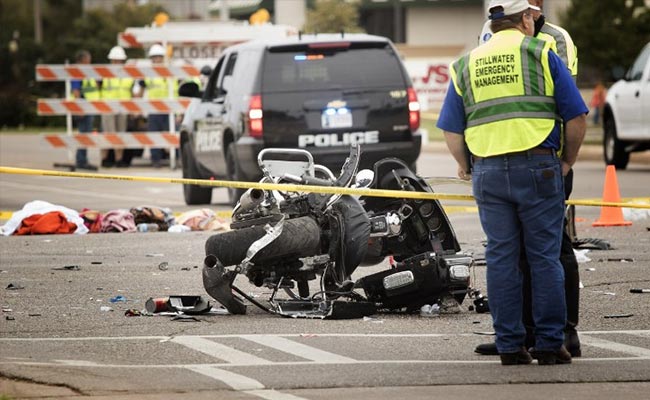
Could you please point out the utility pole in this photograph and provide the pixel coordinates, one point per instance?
(38, 23)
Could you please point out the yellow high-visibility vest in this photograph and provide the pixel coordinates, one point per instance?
(117, 88)
(90, 90)
(157, 88)
(507, 91)
(562, 45)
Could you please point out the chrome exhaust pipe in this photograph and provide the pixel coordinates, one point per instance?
(249, 201)
(217, 282)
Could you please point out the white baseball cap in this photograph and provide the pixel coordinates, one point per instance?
(509, 7)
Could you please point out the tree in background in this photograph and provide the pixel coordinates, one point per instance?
(333, 16)
(66, 29)
(608, 33)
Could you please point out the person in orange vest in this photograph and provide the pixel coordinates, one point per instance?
(87, 89)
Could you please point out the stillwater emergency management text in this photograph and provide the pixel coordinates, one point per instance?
(494, 70)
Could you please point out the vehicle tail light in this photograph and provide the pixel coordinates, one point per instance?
(414, 110)
(255, 116)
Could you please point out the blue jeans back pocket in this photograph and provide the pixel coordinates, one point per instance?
(547, 179)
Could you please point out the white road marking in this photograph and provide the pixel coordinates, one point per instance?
(235, 381)
(78, 363)
(614, 346)
(220, 351)
(290, 335)
(273, 395)
(298, 349)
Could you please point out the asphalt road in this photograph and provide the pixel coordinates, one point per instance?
(55, 342)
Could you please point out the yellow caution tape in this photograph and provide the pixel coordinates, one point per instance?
(245, 185)
(289, 187)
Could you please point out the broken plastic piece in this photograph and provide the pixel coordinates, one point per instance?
(185, 318)
(13, 286)
(105, 308)
(190, 305)
(619, 316)
(68, 268)
(117, 299)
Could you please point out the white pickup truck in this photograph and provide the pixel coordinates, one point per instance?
(626, 116)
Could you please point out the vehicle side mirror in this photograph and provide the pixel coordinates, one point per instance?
(189, 89)
(618, 73)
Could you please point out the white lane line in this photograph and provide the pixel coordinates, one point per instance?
(292, 335)
(492, 360)
(298, 349)
(235, 381)
(220, 351)
(273, 395)
(614, 346)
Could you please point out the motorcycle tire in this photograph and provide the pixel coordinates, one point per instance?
(300, 237)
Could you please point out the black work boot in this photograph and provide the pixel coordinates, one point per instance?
(521, 357)
(572, 341)
(550, 357)
(490, 349)
(487, 349)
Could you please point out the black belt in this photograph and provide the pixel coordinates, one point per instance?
(534, 150)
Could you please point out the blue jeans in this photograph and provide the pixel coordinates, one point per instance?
(84, 125)
(157, 123)
(522, 197)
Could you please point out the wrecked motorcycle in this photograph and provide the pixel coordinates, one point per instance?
(284, 240)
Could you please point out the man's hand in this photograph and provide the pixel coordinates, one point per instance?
(464, 175)
(565, 168)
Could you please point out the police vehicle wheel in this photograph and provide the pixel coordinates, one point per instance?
(193, 194)
(232, 171)
(613, 148)
(300, 237)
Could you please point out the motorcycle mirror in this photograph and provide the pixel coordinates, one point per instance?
(364, 178)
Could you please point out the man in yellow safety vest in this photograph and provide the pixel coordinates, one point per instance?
(505, 102)
(86, 89)
(158, 88)
(562, 44)
(115, 89)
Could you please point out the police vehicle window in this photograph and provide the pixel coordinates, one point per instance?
(348, 68)
(211, 87)
(636, 72)
(228, 70)
(230, 65)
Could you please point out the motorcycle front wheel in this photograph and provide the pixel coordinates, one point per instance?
(300, 237)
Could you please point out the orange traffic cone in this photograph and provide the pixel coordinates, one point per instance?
(611, 216)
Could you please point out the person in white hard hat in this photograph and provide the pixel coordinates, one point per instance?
(115, 89)
(158, 88)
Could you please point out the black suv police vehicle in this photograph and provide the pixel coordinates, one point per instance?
(316, 92)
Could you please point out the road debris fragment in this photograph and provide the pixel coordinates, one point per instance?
(14, 286)
(619, 316)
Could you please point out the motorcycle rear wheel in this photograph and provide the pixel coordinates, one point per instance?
(300, 237)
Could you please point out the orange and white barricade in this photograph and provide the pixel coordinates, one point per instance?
(69, 107)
